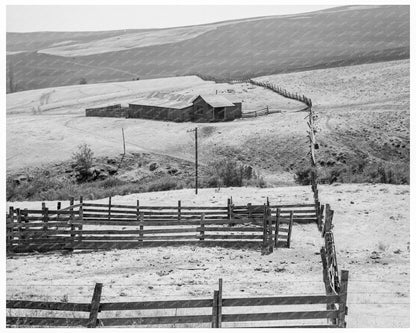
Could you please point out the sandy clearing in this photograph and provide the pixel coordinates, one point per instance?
(379, 288)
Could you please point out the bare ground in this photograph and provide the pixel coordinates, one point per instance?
(379, 265)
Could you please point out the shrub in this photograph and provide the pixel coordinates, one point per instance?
(83, 159)
(226, 172)
(163, 184)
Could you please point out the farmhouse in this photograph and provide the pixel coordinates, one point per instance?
(174, 107)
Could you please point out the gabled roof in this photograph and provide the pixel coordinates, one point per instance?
(216, 101)
(165, 100)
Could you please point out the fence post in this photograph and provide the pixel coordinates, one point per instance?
(276, 230)
(326, 219)
(321, 217)
(264, 225)
(343, 299)
(19, 225)
(249, 210)
(81, 217)
(71, 210)
(214, 322)
(219, 308)
(45, 213)
(109, 208)
(58, 208)
(202, 228)
(25, 219)
(95, 305)
(9, 230)
(179, 211)
(289, 234)
(328, 289)
(141, 226)
(267, 109)
(229, 208)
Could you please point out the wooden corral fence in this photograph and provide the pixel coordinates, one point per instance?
(260, 112)
(104, 226)
(210, 311)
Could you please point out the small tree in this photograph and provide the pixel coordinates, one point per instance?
(83, 81)
(83, 159)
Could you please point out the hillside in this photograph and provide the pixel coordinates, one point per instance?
(359, 123)
(232, 49)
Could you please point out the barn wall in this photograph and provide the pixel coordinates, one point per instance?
(205, 111)
(159, 113)
(107, 111)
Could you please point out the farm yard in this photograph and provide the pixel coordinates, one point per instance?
(378, 292)
(223, 195)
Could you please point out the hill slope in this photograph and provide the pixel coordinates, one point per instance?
(252, 47)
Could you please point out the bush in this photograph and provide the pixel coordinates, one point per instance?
(359, 171)
(83, 159)
(229, 173)
(164, 184)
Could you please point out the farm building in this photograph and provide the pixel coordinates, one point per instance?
(115, 110)
(174, 107)
(162, 106)
(215, 108)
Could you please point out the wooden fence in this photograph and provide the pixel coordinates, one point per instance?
(210, 311)
(260, 112)
(104, 226)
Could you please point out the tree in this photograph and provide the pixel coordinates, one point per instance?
(83, 81)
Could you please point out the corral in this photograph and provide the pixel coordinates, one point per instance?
(174, 107)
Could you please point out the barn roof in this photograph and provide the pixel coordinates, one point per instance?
(165, 100)
(216, 101)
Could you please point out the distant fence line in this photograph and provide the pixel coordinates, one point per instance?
(209, 312)
(105, 226)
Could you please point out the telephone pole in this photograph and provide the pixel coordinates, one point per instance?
(196, 157)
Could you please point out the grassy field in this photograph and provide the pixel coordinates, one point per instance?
(232, 49)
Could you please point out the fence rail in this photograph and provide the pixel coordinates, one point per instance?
(106, 226)
(194, 310)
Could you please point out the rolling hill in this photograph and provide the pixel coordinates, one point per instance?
(233, 49)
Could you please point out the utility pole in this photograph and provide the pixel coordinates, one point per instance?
(196, 158)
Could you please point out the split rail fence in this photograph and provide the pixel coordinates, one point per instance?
(212, 312)
(105, 226)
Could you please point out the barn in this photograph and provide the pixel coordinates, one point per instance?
(114, 110)
(162, 106)
(215, 108)
(174, 107)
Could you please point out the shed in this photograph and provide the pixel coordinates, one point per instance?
(214, 108)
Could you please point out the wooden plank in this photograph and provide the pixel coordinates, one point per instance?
(149, 305)
(46, 321)
(343, 299)
(277, 225)
(220, 304)
(95, 305)
(40, 305)
(280, 300)
(202, 227)
(162, 320)
(214, 317)
(289, 233)
(279, 316)
(109, 208)
(102, 245)
(173, 208)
